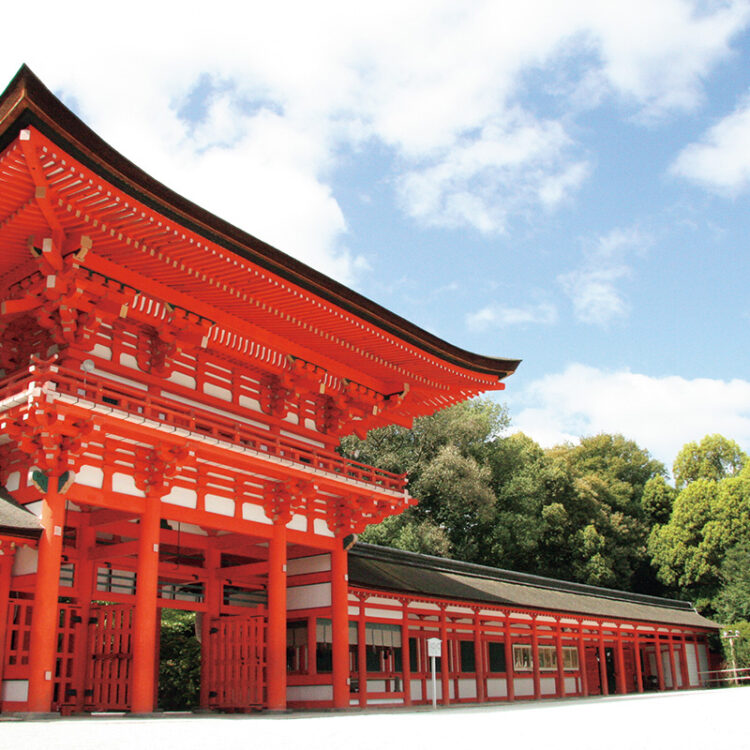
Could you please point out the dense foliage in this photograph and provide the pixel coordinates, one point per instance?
(601, 511)
(180, 661)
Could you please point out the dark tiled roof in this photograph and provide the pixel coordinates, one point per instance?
(15, 520)
(394, 570)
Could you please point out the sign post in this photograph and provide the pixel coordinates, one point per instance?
(434, 651)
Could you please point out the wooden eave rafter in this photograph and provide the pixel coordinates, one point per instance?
(184, 248)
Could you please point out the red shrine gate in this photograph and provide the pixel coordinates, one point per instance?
(172, 392)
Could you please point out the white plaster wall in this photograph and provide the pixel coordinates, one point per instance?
(15, 690)
(415, 688)
(13, 482)
(90, 476)
(497, 687)
(223, 506)
(126, 484)
(182, 496)
(309, 693)
(467, 688)
(548, 686)
(523, 686)
(312, 564)
(25, 561)
(306, 597)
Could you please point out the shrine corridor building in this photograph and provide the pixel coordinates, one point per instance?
(172, 393)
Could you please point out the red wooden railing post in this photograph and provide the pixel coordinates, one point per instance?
(145, 619)
(43, 638)
(621, 686)
(672, 665)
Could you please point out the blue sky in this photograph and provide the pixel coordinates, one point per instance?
(566, 183)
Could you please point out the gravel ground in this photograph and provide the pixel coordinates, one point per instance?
(696, 719)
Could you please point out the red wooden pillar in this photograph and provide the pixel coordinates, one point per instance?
(145, 620)
(510, 678)
(479, 658)
(621, 686)
(7, 553)
(362, 652)
(560, 666)
(211, 565)
(659, 664)
(43, 638)
(685, 670)
(340, 625)
(697, 659)
(582, 660)
(444, 661)
(602, 663)
(535, 660)
(276, 640)
(85, 583)
(672, 666)
(405, 662)
(638, 668)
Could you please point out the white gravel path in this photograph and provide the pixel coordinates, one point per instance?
(704, 719)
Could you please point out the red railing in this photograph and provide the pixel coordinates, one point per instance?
(126, 401)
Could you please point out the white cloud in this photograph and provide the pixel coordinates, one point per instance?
(721, 160)
(660, 413)
(594, 293)
(438, 83)
(498, 316)
(593, 288)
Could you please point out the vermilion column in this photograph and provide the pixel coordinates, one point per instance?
(638, 668)
(685, 670)
(672, 666)
(603, 663)
(621, 686)
(535, 660)
(582, 660)
(405, 654)
(7, 553)
(445, 682)
(85, 571)
(560, 662)
(145, 623)
(276, 639)
(362, 652)
(659, 664)
(340, 625)
(213, 608)
(44, 619)
(510, 679)
(479, 658)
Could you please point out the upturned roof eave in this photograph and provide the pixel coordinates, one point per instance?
(27, 101)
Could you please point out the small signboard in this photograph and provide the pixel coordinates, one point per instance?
(433, 646)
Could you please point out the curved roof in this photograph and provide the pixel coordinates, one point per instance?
(27, 102)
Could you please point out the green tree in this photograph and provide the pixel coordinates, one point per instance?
(732, 603)
(179, 661)
(708, 519)
(445, 456)
(715, 457)
(657, 500)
